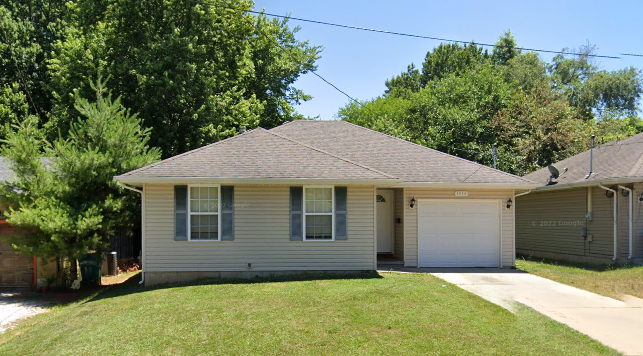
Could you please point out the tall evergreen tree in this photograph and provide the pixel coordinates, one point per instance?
(63, 201)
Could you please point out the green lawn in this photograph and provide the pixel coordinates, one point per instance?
(411, 314)
(608, 280)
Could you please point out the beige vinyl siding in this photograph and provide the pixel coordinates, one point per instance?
(399, 227)
(549, 224)
(261, 235)
(411, 223)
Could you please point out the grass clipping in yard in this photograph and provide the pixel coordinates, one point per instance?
(608, 280)
(412, 314)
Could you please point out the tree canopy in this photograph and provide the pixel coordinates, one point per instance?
(465, 99)
(194, 71)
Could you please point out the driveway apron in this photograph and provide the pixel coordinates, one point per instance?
(614, 323)
(617, 324)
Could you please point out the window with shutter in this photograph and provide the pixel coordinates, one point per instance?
(318, 213)
(203, 212)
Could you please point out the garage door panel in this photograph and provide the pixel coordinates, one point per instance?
(15, 270)
(459, 234)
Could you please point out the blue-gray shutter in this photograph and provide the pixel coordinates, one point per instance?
(296, 213)
(180, 213)
(227, 213)
(340, 214)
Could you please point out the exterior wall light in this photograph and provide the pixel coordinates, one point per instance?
(509, 203)
(412, 202)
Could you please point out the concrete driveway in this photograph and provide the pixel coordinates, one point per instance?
(614, 323)
(13, 308)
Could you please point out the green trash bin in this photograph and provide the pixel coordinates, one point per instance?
(90, 268)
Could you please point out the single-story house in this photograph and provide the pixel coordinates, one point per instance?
(591, 212)
(320, 196)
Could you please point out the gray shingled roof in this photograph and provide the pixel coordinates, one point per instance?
(613, 160)
(258, 154)
(403, 159)
(323, 150)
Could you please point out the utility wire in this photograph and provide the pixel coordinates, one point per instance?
(281, 48)
(429, 37)
(421, 36)
(361, 105)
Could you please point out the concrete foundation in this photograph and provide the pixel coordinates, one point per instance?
(155, 278)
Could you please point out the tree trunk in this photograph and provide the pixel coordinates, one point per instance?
(73, 271)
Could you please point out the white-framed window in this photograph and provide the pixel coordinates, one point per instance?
(204, 205)
(319, 213)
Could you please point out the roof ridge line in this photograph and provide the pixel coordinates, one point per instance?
(440, 152)
(190, 152)
(332, 155)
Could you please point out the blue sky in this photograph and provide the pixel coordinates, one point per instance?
(359, 62)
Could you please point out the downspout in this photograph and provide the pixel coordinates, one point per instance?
(631, 225)
(142, 225)
(521, 194)
(615, 220)
(514, 220)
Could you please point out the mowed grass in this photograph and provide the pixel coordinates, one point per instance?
(609, 280)
(391, 314)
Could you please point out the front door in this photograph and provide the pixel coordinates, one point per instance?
(384, 201)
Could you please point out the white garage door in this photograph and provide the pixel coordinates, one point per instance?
(459, 233)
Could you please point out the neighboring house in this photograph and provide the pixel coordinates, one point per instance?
(588, 218)
(16, 270)
(320, 196)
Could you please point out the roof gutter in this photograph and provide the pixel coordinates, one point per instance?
(631, 225)
(525, 186)
(592, 183)
(139, 181)
(615, 215)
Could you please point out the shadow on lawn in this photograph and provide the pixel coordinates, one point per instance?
(132, 286)
(586, 266)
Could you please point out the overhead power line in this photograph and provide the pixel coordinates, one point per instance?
(282, 49)
(352, 99)
(430, 37)
(631, 54)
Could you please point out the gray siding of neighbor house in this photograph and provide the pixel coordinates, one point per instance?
(399, 227)
(261, 237)
(638, 223)
(410, 220)
(550, 225)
